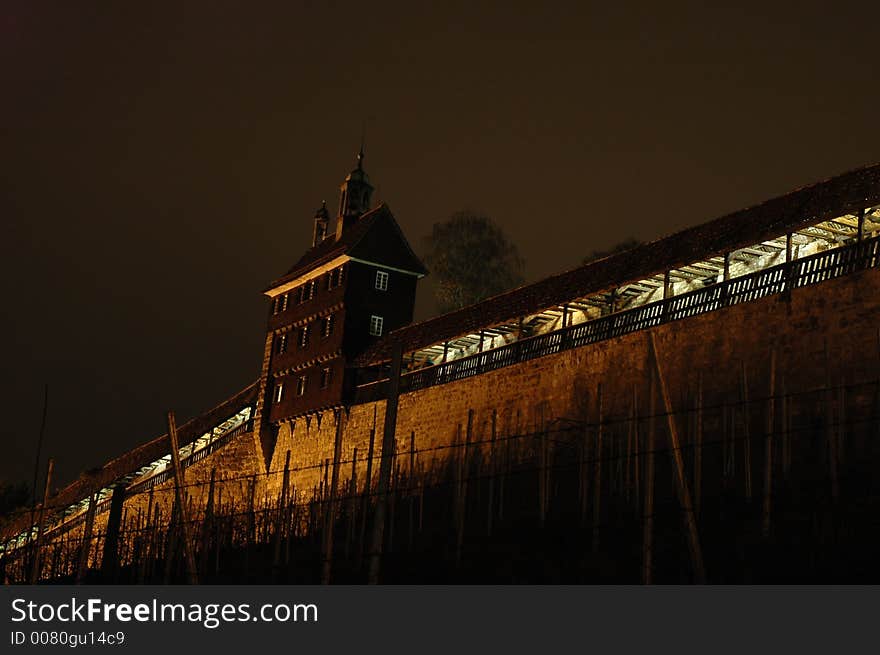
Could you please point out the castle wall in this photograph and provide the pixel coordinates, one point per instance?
(840, 317)
(842, 313)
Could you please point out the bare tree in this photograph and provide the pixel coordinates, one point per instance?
(471, 259)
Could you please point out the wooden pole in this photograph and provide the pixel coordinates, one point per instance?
(85, 548)
(768, 447)
(786, 445)
(698, 447)
(636, 446)
(584, 486)
(542, 468)
(39, 453)
(492, 473)
(147, 551)
(35, 568)
(630, 437)
(747, 441)
(841, 421)
(205, 528)
(597, 472)
(110, 558)
(330, 519)
(282, 516)
(411, 476)
(648, 511)
(681, 486)
(192, 576)
(352, 502)
(465, 471)
(365, 499)
(385, 465)
(504, 467)
(457, 475)
(829, 427)
(393, 492)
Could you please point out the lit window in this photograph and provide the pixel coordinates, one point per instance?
(304, 337)
(327, 325)
(376, 323)
(281, 343)
(334, 278)
(382, 280)
(306, 291)
(280, 304)
(301, 385)
(279, 392)
(326, 377)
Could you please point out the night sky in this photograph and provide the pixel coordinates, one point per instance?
(162, 163)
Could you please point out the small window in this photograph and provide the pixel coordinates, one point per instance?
(301, 384)
(279, 392)
(304, 337)
(326, 377)
(382, 280)
(376, 323)
(334, 278)
(307, 291)
(280, 304)
(327, 326)
(281, 343)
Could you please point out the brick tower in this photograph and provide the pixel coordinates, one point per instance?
(356, 283)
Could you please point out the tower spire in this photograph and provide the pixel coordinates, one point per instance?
(322, 219)
(363, 139)
(355, 195)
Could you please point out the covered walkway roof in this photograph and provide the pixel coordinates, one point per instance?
(707, 244)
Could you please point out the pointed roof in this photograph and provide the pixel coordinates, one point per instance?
(374, 233)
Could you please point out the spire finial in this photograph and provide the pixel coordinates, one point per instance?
(361, 151)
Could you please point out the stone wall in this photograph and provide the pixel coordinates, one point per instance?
(840, 316)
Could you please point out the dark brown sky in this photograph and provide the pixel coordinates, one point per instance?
(161, 163)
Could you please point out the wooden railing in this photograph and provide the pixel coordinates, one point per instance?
(159, 478)
(770, 281)
(192, 458)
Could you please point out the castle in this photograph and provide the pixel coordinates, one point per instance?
(783, 293)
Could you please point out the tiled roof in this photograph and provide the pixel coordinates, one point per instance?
(329, 249)
(845, 193)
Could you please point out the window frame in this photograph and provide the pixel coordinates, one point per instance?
(326, 376)
(380, 283)
(379, 323)
(327, 324)
(279, 304)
